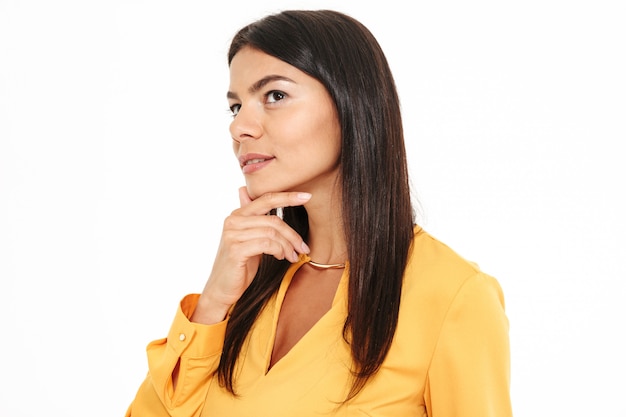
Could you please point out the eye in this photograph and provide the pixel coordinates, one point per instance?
(234, 109)
(274, 96)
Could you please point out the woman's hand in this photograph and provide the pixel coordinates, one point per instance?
(247, 234)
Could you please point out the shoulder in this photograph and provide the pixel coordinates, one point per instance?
(431, 262)
(445, 297)
(436, 274)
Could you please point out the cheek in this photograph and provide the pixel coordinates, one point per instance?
(331, 131)
(329, 120)
(323, 125)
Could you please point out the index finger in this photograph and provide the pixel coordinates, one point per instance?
(269, 201)
(244, 198)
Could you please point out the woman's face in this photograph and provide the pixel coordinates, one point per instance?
(285, 129)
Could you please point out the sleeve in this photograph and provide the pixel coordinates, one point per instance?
(469, 374)
(197, 348)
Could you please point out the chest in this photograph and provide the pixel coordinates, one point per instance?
(308, 298)
(313, 376)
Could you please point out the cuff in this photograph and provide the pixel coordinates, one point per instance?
(193, 339)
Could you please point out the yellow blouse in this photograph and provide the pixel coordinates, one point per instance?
(449, 357)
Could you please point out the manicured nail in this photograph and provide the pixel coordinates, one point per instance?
(305, 248)
(294, 257)
(304, 196)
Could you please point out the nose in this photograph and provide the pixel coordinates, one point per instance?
(246, 125)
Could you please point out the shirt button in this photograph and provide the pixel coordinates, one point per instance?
(181, 337)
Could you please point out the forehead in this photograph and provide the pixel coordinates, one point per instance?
(250, 65)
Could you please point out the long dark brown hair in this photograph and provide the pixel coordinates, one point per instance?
(377, 213)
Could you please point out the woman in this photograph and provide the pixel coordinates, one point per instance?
(325, 298)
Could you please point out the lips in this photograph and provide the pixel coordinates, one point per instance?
(253, 162)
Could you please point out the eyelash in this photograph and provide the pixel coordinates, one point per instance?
(234, 109)
(273, 92)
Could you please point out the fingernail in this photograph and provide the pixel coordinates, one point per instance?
(304, 196)
(305, 248)
(294, 256)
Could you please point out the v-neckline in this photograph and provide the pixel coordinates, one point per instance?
(340, 295)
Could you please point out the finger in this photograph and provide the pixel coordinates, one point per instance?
(267, 246)
(269, 201)
(244, 228)
(244, 197)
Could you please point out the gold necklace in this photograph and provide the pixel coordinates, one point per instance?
(280, 214)
(326, 266)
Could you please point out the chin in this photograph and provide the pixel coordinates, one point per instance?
(257, 189)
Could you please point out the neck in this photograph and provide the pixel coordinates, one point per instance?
(326, 235)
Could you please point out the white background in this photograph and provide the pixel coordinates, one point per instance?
(116, 173)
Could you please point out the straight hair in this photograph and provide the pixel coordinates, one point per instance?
(377, 213)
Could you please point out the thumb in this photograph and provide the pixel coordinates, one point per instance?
(244, 198)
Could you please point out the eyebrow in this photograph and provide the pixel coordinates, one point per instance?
(260, 84)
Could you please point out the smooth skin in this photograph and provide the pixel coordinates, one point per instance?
(287, 116)
(287, 120)
(248, 232)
